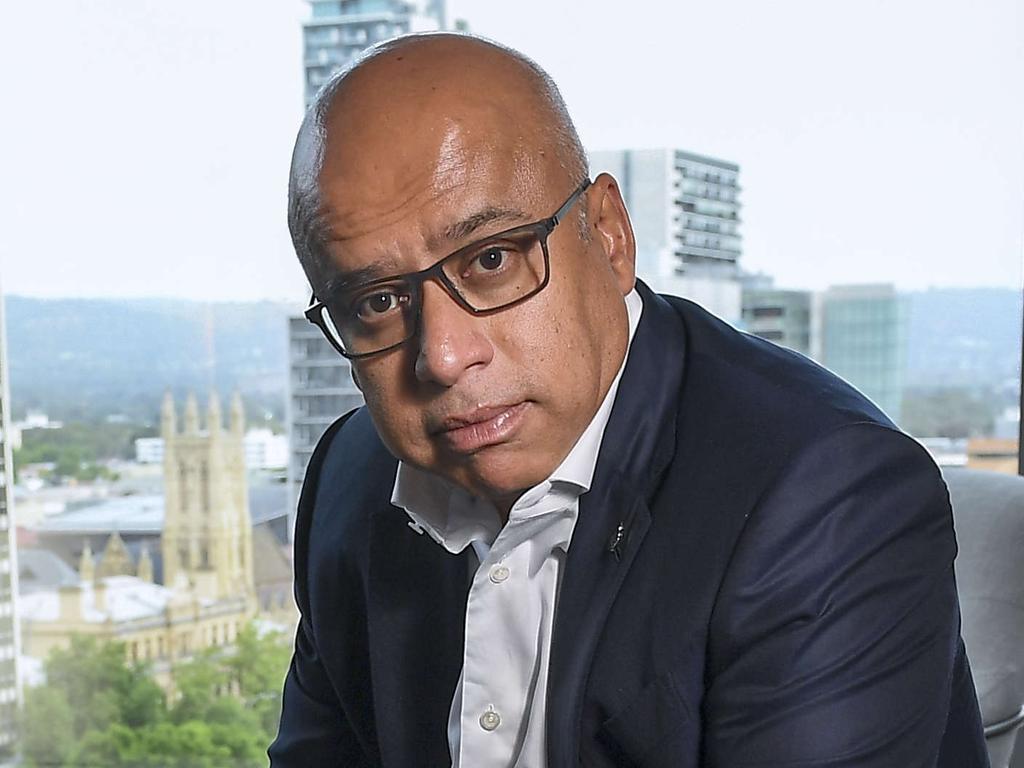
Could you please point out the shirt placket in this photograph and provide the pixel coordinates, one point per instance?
(503, 633)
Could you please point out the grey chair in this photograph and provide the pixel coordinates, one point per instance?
(988, 514)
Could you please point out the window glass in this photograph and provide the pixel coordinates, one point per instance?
(846, 181)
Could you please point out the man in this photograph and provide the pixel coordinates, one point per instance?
(577, 523)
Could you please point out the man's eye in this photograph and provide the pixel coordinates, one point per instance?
(377, 304)
(491, 259)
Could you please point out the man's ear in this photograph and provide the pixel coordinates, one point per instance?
(355, 376)
(609, 225)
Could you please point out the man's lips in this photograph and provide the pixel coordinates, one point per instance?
(472, 431)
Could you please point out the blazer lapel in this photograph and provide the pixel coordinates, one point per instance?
(416, 616)
(614, 516)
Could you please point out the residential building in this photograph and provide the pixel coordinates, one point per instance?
(10, 645)
(779, 315)
(339, 30)
(685, 211)
(993, 454)
(263, 449)
(149, 450)
(863, 340)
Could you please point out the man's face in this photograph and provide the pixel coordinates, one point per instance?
(492, 403)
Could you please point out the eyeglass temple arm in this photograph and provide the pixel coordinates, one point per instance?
(560, 213)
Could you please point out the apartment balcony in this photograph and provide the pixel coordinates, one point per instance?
(713, 254)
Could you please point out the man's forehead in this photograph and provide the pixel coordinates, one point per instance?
(442, 133)
(426, 216)
(439, 180)
(422, 121)
(406, 108)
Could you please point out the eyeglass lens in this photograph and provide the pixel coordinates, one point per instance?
(485, 276)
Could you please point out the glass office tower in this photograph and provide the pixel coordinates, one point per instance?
(864, 339)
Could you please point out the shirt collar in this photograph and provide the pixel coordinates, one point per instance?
(454, 518)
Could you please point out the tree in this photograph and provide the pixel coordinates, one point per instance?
(237, 692)
(101, 688)
(114, 747)
(47, 729)
(948, 412)
(98, 710)
(258, 669)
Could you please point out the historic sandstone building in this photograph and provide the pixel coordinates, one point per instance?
(208, 591)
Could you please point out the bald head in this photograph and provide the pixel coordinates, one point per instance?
(423, 112)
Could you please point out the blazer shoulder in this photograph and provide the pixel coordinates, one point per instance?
(747, 410)
(349, 475)
(350, 468)
(777, 391)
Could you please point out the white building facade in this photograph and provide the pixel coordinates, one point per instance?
(685, 211)
(263, 450)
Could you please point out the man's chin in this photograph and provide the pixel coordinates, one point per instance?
(500, 478)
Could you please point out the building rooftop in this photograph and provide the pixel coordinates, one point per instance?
(144, 514)
(125, 598)
(40, 569)
(124, 514)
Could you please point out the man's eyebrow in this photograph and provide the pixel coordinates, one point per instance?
(469, 225)
(340, 282)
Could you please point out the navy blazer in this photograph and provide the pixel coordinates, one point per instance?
(783, 594)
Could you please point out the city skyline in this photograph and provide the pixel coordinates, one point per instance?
(878, 143)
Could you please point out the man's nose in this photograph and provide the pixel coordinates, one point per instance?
(451, 340)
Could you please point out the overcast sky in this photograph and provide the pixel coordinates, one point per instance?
(144, 144)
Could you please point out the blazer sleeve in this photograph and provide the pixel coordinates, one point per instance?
(314, 731)
(836, 627)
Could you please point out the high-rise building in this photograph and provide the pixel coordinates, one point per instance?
(779, 315)
(863, 339)
(320, 386)
(340, 30)
(10, 644)
(685, 211)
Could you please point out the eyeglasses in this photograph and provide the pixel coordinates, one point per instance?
(484, 277)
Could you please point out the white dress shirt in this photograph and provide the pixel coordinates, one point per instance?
(497, 717)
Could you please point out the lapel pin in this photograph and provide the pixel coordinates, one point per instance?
(615, 543)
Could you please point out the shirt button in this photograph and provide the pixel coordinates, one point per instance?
(490, 720)
(499, 573)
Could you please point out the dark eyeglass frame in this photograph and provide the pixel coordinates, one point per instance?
(543, 229)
